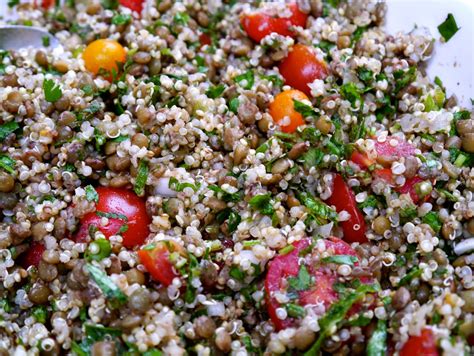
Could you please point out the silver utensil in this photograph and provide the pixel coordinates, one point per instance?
(14, 37)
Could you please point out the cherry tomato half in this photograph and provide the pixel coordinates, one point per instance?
(134, 5)
(393, 149)
(282, 109)
(301, 67)
(259, 24)
(157, 261)
(361, 159)
(408, 188)
(423, 345)
(283, 267)
(33, 255)
(45, 4)
(343, 199)
(126, 214)
(104, 54)
(205, 39)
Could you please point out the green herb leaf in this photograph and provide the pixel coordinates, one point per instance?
(175, 185)
(110, 4)
(7, 129)
(313, 158)
(295, 310)
(142, 176)
(275, 79)
(93, 107)
(232, 217)
(13, 3)
(262, 203)
(52, 91)
(340, 259)
(7, 163)
(409, 212)
(320, 211)
(352, 93)
(337, 313)
(415, 272)
(245, 80)
(377, 345)
(403, 78)
(108, 287)
(181, 18)
(216, 91)
(46, 41)
(433, 220)
(234, 105)
(304, 109)
(365, 75)
(448, 28)
(357, 35)
(371, 201)
(104, 247)
(91, 194)
(121, 19)
(40, 314)
(227, 197)
(302, 281)
(103, 214)
(236, 273)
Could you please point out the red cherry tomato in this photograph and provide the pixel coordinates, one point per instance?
(385, 174)
(127, 216)
(410, 188)
(45, 4)
(205, 39)
(343, 199)
(157, 261)
(33, 255)
(361, 159)
(134, 5)
(423, 345)
(301, 67)
(259, 24)
(283, 267)
(393, 149)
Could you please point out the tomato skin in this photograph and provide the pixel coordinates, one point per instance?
(205, 39)
(45, 4)
(423, 345)
(361, 159)
(284, 266)
(118, 201)
(103, 54)
(283, 106)
(409, 187)
(301, 67)
(257, 25)
(157, 262)
(134, 5)
(343, 199)
(32, 256)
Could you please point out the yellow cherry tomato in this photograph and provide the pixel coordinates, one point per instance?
(104, 54)
(283, 111)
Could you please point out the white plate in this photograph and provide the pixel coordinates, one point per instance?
(453, 61)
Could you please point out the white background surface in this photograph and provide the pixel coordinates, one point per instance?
(453, 62)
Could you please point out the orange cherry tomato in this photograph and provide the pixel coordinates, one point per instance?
(126, 215)
(425, 345)
(301, 67)
(343, 199)
(282, 108)
(104, 54)
(157, 261)
(259, 24)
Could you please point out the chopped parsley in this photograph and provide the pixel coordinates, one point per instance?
(233, 218)
(7, 129)
(227, 197)
(352, 93)
(52, 91)
(142, 176)
(302, 281)
(433, 220)
(46, 41)
(262, 203)
(181, 18)
(7, 163)
(107, 286)
(415, 272)
(245, 80)
(215, 91)
(377, 345)
(175, 185)
(121, 19)
(340, 259)
(91, 194)
(103, 214)
(304, 109)
(104, 249)
(234, 105)
(319, 211)
(448, 28)
(403, 78)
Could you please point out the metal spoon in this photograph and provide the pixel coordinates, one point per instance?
(14, 37)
